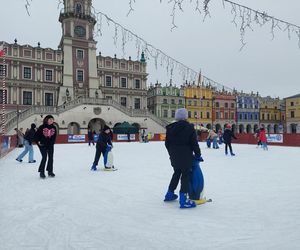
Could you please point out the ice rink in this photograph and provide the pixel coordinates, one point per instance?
(256, 201)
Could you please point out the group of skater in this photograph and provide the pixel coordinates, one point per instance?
(181, 143)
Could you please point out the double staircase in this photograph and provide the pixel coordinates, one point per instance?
(13, 118)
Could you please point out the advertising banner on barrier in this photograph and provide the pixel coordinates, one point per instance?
(124, 137)
(275, 138)
(76, 138)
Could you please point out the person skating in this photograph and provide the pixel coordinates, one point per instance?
(91, 137)
(263, 138)
(45, 139)
(228, 134)
(28, 139)
(182, 146)
(105, 138)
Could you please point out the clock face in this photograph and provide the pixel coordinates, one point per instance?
(79, 31)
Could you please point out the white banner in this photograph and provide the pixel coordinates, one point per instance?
(275, 138)
(124, 137)
(76, 138)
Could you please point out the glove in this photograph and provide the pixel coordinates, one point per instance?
(199, 158)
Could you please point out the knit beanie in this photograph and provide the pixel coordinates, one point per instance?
(181, 114)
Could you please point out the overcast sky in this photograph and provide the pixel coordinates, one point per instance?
(268, 66)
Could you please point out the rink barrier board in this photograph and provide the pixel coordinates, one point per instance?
(8, 143)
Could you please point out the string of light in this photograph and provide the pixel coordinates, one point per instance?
(160, 58)
(243, 18)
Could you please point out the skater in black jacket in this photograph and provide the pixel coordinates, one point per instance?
(182, 145)
(105, 138)
(228, 134)
(45, 139)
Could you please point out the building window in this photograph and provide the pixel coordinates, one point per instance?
(245, 116)
(251, 117)
(108, 97)
(189, 114)
(241, 117)
(195, 114)
(190, 103)
(123, 65)
(245, 106)
(195, 103)
(48, 99)
(226, 115)
(27, 53)
(1, 96)
(207, 115)
(137, 83)
(173, 113)
(108, 81)
(137, 67)
(207, 104)
(49, 75)
(263, 116)
(292, 103)
(124, 101)
(226, 105)
(165, 113)
(27, 73)
(217, 115)
(268, 115)
(232, 115)
(79, 54)
(292, 114)
(3, 70)
(49, 56)
(217, 105)
(27, 98)
(165, 101)
(240, 105)
(256, 117)
(180, 102)
(172, 101)
(137, 103)
(232, 105)
(80, 75)
(108, 64)
(123, 83)
(78, 8)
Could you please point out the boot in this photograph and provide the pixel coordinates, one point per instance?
(185, 202)
(94, 168)
(42, 175)
(232, 154)
(170, 196)
(51, 174)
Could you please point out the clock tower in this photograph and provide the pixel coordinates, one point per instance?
(79, 51)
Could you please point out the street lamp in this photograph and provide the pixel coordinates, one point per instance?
(67, 92)
(96, 93)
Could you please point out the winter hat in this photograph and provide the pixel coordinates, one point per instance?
(33, 126)
(47, 117)
(181, 114)
(105, 128)
(228, 126)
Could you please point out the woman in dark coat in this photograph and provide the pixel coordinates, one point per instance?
(228, 134)
(104, 139)
(182, 145)
(45, 139)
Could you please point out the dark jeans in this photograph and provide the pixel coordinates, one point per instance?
(184, 173)
(99, 150)
(226, 146)
(91, 141)
(46, 151)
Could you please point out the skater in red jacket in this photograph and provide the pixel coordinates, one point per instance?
(263, 138)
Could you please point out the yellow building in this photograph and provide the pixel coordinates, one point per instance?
(269, 111)
(292, 106)
(198, 101)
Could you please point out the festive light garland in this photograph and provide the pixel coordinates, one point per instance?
(243, 18)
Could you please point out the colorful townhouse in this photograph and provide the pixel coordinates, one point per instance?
(292, 105)
(224, 110)
(163, 101)
(270, 115)
(198, 102)
(247, 112)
